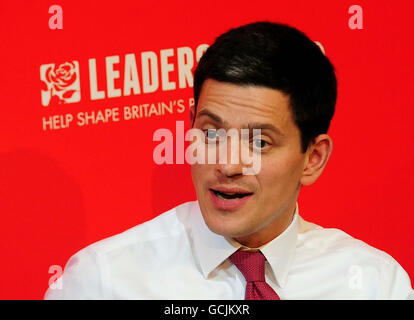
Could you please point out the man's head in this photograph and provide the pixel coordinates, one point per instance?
(268, 76)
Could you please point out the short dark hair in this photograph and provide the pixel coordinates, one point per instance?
(276, 56)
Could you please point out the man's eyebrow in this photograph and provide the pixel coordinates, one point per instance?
(211, 115)
(250, 126)
(265, 126)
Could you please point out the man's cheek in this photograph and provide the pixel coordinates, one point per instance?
(195, 174)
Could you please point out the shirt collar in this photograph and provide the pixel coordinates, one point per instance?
(212, 249)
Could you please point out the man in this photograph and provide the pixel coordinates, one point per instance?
(244, 237)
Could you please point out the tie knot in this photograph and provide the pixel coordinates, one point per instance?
(250, 264)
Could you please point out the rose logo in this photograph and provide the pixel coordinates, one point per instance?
(62, 77)
(60, 83)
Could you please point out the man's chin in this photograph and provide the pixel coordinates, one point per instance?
(227, 225)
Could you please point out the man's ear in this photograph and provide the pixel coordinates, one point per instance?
(317, 157)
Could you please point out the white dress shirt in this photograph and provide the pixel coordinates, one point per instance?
(175, 256)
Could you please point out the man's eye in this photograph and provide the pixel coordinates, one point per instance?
(211, 135)
(260, 144)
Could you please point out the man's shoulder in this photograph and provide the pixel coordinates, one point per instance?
(322, 242)
(148, 246)
(352, 261)
(163, 228)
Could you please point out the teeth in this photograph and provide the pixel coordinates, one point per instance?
(227, 196)
(224, 196)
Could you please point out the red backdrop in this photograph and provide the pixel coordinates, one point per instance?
(65, 187)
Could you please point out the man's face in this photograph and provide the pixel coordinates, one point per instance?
(264, 203)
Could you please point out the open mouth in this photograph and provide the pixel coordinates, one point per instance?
(229, 199)
(229, 195)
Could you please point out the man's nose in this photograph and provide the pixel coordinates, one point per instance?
(229, 159)
(229, 170)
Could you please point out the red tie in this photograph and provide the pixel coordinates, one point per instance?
(252, 266)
